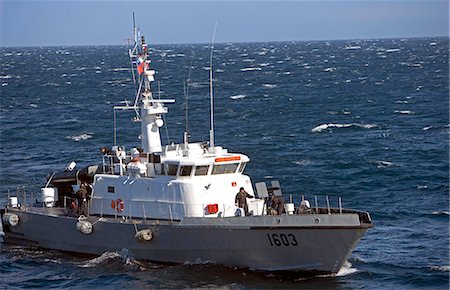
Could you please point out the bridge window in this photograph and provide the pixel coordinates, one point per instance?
(185, 170)
(242, 167)
(172, 169)
(201, 170)
(225, 168)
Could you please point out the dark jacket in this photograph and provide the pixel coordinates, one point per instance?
(241, 198)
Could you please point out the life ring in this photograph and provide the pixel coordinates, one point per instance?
(117, 205)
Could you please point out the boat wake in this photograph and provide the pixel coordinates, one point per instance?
(115, 258)
(346, 270)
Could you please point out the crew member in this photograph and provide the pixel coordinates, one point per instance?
(305, 207)
(82, 195)
(277, 204)
(241, 199)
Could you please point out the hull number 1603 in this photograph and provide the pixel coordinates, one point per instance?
(282, 240)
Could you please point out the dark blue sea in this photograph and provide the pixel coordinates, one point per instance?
(366, 120)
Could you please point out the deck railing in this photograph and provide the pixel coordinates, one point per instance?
(174, 211)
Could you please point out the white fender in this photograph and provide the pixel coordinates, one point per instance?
(11, 218)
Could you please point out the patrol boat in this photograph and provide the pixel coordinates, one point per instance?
(176, 204)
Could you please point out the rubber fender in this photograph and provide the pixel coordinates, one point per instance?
(84, 226)
(11, 218)
(144, 235)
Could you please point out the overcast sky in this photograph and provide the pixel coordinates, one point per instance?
(48, 23)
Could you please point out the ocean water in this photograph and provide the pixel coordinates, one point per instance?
(366, 120)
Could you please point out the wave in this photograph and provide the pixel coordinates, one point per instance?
(269, 86)
(250, 68)
(330, 69)
(346, 270)
(392, 50)
(108, 258)
(442, 212)
(406, 112)
(237, 97)
(440, 268)
(323, 127)
(303, 162)
(78, 138)
(383, 164)
(352, 47)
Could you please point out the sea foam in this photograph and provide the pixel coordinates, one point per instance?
(323, 127)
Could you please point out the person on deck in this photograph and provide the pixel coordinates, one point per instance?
(241, 199)
(278, 204)
(82, 195)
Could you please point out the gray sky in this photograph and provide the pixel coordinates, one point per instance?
(47, 23)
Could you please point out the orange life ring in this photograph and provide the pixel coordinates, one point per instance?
(117, 205)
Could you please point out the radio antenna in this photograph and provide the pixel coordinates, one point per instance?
(186, 97)
(211, 131)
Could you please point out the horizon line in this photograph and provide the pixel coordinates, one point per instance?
(229, 42)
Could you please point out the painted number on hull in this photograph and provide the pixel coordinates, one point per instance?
(282, 240)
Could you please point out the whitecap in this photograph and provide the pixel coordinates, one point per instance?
(442, 212)
(78, 138)
(383, 164)
(287, 73)
(5, 77)
(303, 162)
(352, 47)
(427, 128)
(33, 105)
(433, 43)
(405, 112)
(121, 69)
(264, 64)
(330, 69)
(237, 97)
(250, 68)
(323, 127)
(4, 84)
(392, 50)
(440, 268)
(270, 86)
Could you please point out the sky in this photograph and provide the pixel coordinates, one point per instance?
(52, 23)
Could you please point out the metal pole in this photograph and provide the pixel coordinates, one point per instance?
(143, 209)
(328, 204)
(317, 205)
(340, 205)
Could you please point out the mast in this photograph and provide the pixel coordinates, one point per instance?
(149, 111)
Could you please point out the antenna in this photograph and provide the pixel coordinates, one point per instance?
(211, 131)
(186, 96)
(134, 29)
